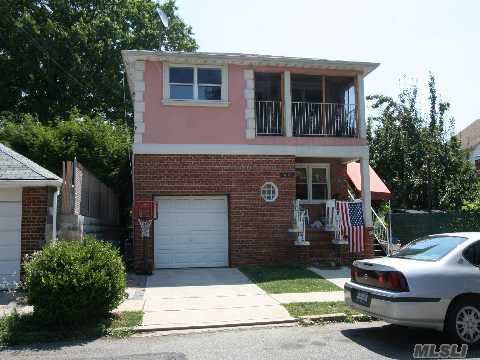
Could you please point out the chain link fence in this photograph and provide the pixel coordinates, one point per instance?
(407, 227)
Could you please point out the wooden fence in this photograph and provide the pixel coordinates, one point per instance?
(83, 194)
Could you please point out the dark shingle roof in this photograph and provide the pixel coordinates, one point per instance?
(14, 166)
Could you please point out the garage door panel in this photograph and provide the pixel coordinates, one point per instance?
(10, 224)
(10, 210)
(184, 230)
(189, 248)
(9, 251)
(189, 217)
(10, 236)
(182, 261)
(9, 266)
(166, 242)
(191, 231)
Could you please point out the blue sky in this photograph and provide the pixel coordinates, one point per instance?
(409, 38)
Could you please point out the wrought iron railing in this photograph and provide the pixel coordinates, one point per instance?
(324, 119)
(268, 115)
(300, 221)
(381, 231)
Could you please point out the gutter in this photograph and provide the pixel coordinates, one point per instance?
(54, 215)
(30, 183)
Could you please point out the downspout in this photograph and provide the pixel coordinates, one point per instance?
(54, 215)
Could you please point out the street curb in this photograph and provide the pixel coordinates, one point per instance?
(141, 329)
(335, 317)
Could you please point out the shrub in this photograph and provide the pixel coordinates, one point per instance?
(75, 281)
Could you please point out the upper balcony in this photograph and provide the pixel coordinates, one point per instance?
(211, 98)
(307, 105)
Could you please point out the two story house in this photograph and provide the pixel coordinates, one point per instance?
(225, 144)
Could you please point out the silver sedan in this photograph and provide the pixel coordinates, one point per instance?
(433, 282)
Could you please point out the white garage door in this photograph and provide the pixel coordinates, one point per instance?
(10, 236)
(191, 231)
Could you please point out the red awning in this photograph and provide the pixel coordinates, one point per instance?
(378, 189)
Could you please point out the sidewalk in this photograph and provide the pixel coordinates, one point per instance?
(336, 276)
(136, 285)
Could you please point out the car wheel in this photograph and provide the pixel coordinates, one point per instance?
(463, 322)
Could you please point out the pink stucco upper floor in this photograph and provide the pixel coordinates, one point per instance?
(173, 124)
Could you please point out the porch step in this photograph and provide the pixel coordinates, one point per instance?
(318, 236)
(322, 250)
(378, 249)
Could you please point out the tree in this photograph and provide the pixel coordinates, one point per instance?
(416, 154)
(101, 146)
(56, 55)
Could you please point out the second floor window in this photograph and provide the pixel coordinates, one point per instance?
(195, 83)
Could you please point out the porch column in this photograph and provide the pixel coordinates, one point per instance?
(362, 124)
(287, 100)
(366, 197)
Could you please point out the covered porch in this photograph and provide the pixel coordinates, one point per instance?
(320, 183)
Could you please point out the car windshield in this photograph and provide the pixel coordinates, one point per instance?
(429, 248)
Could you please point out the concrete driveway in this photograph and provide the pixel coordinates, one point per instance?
(198, 298)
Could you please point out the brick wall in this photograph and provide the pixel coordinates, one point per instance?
(258, 230)
(34, 217)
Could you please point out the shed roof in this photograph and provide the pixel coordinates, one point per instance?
(14, 167)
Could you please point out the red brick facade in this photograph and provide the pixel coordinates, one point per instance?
(34, 217)
(258, 230)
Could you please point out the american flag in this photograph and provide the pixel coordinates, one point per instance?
(351, 224)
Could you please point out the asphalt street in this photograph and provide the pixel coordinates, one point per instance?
(373, 340)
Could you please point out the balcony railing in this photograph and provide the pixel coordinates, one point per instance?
(324, 119)
(268, 115)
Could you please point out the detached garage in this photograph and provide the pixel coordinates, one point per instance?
(28, 197)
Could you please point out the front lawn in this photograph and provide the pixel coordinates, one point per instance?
(16, 329)
(287, 279)
(319, 308)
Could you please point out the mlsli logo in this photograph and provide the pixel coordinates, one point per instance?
(444, 351)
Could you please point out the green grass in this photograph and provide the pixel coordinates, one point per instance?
(287, 279)
(319, 308)
(16, 329)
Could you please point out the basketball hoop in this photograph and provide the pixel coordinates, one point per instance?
(144, 213)
(145, 226)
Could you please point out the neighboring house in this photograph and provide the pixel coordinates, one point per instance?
(225, 144)
(470, 139)
(28, 196)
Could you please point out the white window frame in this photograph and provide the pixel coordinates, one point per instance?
(275, 188)
(309, 168)
(195, 101)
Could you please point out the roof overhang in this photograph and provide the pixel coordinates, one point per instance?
(207, 58)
